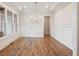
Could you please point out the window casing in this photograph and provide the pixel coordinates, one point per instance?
(2, 22)
(8, 22)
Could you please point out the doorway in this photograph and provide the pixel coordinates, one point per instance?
(46, 25)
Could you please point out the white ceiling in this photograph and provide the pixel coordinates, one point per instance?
(30, 7)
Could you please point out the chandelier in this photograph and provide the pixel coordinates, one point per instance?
(35, 17)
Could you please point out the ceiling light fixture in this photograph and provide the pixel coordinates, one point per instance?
(46, 6)
(35, 17)
(25, 6)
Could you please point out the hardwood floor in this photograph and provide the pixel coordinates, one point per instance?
(46, 46)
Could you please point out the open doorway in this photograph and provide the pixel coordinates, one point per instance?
(46, 25)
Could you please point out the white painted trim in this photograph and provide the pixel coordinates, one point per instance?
(6, 16)
(74, 5)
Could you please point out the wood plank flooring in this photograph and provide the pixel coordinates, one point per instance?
(46, 46)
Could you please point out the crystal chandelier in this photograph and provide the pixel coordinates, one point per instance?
(35, 17)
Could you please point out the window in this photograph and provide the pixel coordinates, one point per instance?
(8, 22)
(2, 22)
(15, 22)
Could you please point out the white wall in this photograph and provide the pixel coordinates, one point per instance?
(29, 29)
(52, 26)
(62, 23)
